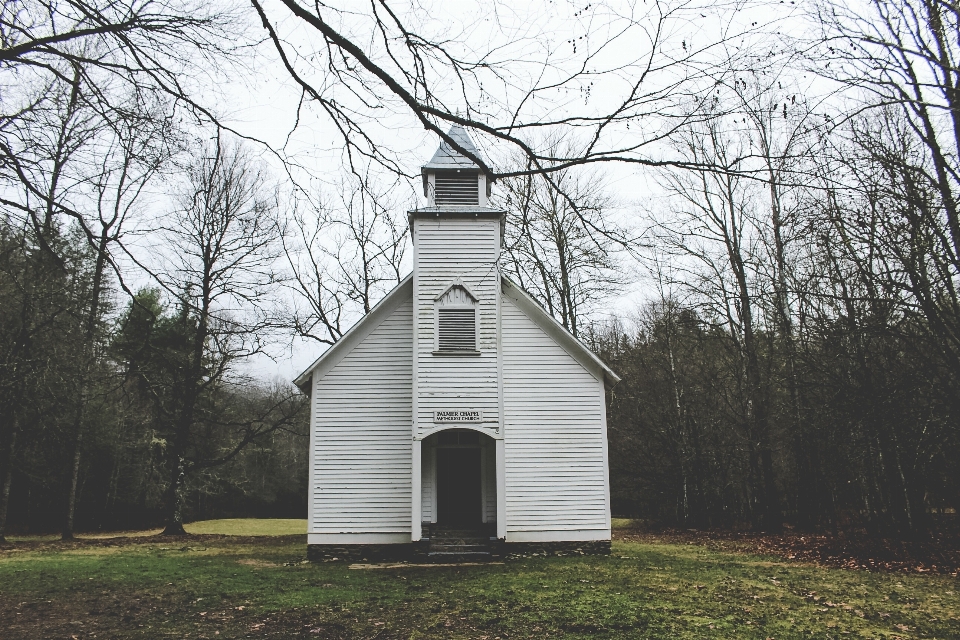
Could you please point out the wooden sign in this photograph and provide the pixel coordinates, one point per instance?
(459, 415)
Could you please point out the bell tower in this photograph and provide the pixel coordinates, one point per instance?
(457, 239)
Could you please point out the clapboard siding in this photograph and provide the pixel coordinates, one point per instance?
(553, 433)
(428, 477)
(362, 461)
(491, 480)
(452, 250)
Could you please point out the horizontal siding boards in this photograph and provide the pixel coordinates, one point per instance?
(427, 475)
(456, 250)
(491, 480)
(360, 477)
(553, 432)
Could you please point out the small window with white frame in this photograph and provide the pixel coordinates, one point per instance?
(456, 322)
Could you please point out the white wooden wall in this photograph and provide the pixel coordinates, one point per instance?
(554, 438)
(428, 474)
(361, 469)
(447, 250)
(490, 477)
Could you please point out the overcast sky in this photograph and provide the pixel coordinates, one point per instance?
(533, 39)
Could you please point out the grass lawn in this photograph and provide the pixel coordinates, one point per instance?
(226, 527)
(216, 587)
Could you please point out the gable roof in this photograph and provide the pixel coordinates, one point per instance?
(355, 335)
(404, 291)
(557, 331)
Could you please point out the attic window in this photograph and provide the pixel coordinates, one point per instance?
(457, 188)
(456, 321)
(458, 330)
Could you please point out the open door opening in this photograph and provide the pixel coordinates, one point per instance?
(459, 487)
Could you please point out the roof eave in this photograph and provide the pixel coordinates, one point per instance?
(609, 376)
(304, 379)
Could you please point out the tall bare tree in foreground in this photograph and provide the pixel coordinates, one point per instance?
(713, 231)
(132, 150)
(223, 266)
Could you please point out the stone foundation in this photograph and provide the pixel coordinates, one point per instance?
(528, 549)
(418, 551)
(365, 552)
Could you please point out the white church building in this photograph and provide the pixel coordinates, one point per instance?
(457, 404)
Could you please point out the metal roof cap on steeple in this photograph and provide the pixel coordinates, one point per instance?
(447, 157)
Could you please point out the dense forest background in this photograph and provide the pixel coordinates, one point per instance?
(790, 355)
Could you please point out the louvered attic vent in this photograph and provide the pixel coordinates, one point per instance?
(458, 330)
(457, 188)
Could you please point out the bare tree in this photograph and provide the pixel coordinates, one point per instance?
(132, 151)
(900, 60)
(561, 245)
(511, 86)
(224, 242)
(343, 258)
(714, 235)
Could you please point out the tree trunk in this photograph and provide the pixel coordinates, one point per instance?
(7, 481)
(67, 533)
(90, 329)
(174, 497)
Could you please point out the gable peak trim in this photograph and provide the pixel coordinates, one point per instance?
(457, 284)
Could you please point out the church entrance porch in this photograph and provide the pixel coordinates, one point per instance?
(458, 521)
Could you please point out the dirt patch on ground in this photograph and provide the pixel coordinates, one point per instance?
(258, 564)
(938, 553)
(174, 542)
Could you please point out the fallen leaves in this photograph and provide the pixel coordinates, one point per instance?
(940, 553)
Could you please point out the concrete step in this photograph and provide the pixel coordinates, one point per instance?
(458, 548)
(452, 539)
(459, 556)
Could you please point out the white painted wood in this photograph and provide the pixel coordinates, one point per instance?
(356, 334)
(501, 489)
(416, 492)
(361, 478)
(428, 492)
(554, 439)
(563, 535)
(490, 480)
(587, 359)
(314, 435)
(358, 538)
(606, 456)
(482, 189)
(455, 248)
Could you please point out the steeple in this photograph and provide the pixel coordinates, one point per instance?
(451, 179)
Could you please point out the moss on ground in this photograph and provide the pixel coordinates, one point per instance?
(217, 587)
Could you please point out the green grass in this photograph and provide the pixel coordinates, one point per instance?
(226, 526)
(644, 590)
(624, 523)
(250, 527)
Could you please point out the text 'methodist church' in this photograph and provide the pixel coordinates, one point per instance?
(457, 416)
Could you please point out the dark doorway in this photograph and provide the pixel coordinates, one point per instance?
(458, 487)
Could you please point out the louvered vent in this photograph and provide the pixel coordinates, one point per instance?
(458, 330)
(458, 189)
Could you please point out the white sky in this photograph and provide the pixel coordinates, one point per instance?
(262, 101)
